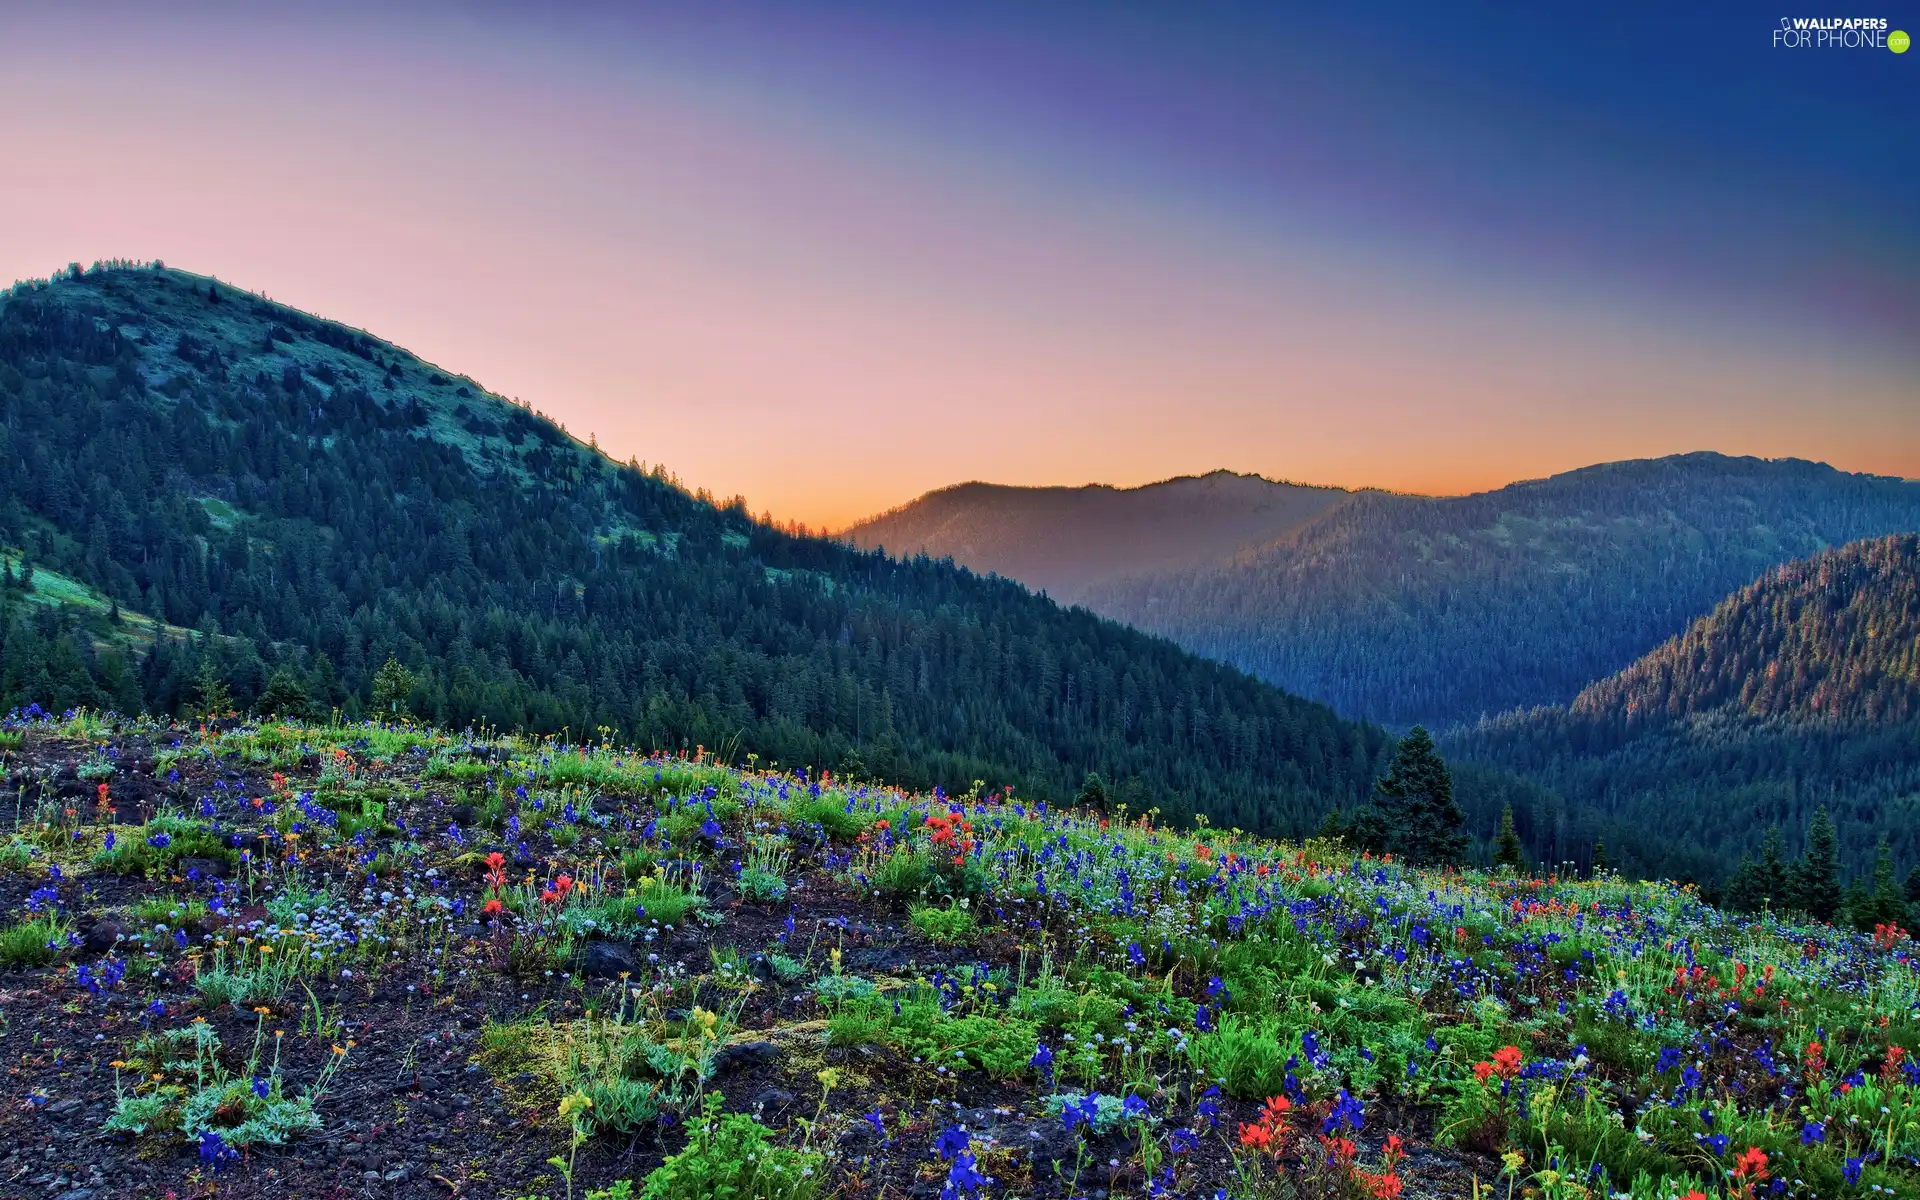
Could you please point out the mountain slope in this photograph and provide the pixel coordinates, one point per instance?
(1833, 638)
(1065, 540)
(1800, 689)
(324, 500)
(1442, 610)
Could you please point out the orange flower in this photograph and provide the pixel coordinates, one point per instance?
(491, 908)
(1276, 1110)
(1751, 1164)
(1482, 1071)
(1506, 1061)
(1256, 1137)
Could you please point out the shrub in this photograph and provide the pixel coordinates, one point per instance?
(946, 926)
(731, 1157)
(34, 942)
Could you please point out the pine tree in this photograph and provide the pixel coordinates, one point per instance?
(1093, 792)
(392, 683)
(1817, 889)
(1889, 905)
(1773, 887)
(1425, 825)
(215, 700)
(286, 695)
(1913, 886)
(1507, 851)
(1333, 828)
(1369, 830)
(1601, 864)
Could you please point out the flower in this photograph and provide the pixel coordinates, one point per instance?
(1751, 1164)
(1256, 1137)
(1506, 1061)
(579, 1101)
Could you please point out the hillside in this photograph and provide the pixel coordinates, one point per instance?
(512, 968)
(314, 501)
(1066, 540)
(1801, 689)
(1443, 610)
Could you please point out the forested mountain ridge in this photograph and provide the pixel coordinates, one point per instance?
(1442, 610)
(1832, 638)
(1801, 689)
(1065, 540)
(324, 500)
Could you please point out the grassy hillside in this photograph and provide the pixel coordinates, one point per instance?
(283, 961)
(1065, 541)
(324, 501)
(1799, 690)
(1409, 608)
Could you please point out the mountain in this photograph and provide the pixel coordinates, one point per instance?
(1064, 541)
(1801, 689)
(1443, 610)
(310, 501)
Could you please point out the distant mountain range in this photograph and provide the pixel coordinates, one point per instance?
(1065, 541)
(1407, 609)
(309, 500)
(1800, 689)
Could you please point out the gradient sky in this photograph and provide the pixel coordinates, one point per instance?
(830, 257)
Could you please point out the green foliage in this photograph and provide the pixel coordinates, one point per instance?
(395, 524)
(1416, 797)
(944, 925)
(1507, 850)
(1816, 881)
(32, 941)
(731, 1156)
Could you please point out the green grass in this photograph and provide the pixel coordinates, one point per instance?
(31, 942)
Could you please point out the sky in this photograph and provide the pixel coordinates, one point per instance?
(829, 257)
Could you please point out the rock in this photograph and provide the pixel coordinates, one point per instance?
(606, 806)
(105, 935)
(772, 1100)
(62, 1107)
(207, 868)
(745, 1054)
(461, 815)
(606, 959)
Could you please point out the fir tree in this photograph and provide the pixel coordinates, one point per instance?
(215, 700)
(1601, 864)
(1369, 830)
(1817, 890)
(1774, 887)
(392, 684)
(286, 695)
(1889, 905)
(1507, 851)
(1332, 828)
(1425, 825)
(1093, 792)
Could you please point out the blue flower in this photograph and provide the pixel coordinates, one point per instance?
(214, 1151)
(1813, 1132)
(963, 1178)
(952, 1140)
(261, 1088)
(1852, 1171)
(1042, 1059)
(1134, 1108)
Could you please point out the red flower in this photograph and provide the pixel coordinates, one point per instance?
(1256, 1137)
(1482, 1071)
(1753, 1163)
(1506, 1061)
(1275, 1111)
(491, 908)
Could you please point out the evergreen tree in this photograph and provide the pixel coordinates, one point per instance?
(1774, 886)
(1889, 905)
(1913, 886)
(286, 695)
(1093, 792)
(392, 685)
(1601, 865)
(1370, 831)
(1507, 851)
(215, 700)
(1332, 828)
(1416, 799)
(1817, 890)
(1742, 892)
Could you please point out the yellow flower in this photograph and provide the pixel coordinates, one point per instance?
(578, 1102)
(1514, 1160)
(829, 1078)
